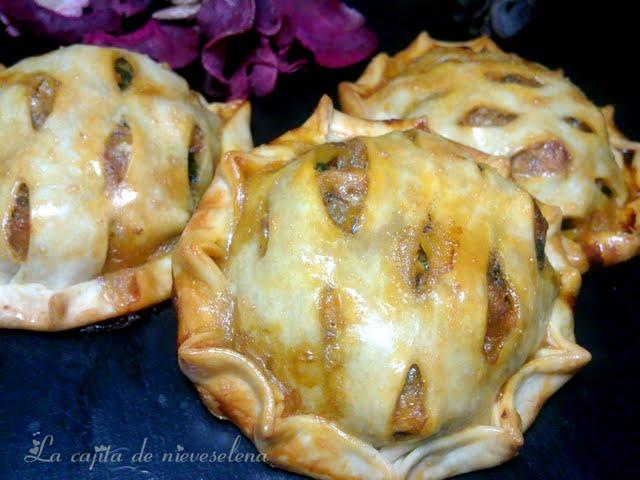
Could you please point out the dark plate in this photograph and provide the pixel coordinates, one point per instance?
(115, 389)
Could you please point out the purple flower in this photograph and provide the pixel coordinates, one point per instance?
(67, 8)
(27, 16)
(334, 33)
(243, 44)
(174, 45)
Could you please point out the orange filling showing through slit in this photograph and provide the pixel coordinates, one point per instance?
(501, 311)
(18, 222)
(410, 413)
(342, 178)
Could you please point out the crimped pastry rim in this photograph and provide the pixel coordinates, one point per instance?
(596, 248)
(33, 306)
(232, 387)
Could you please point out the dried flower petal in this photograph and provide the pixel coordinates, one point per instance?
(10, 29)
(257, 74)
(128, 8)
(263, 79)
(40, 21)
(68, 8)
(213, 58)
(175, 45)
(333, 32)
(222, 18)
(243, 44)
(177, 12)
(268, 17)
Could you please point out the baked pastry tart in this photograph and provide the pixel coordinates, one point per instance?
(368, 302)
(104, 156)
(558, 142)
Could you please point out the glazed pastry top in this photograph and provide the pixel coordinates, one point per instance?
(370, 300)
(475, 94)
(420, 283)
(104, 155)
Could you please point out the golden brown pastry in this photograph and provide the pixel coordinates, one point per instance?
(558, 142)
(104, 155)
(370, 303)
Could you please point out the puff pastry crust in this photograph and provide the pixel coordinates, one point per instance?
(104, 155)
(561, 148)
(368, 302)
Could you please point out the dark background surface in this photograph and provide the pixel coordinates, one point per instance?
(87, 389)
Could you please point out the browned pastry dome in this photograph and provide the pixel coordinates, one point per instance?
(104, 156)
(368, 302)
(558, 142)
